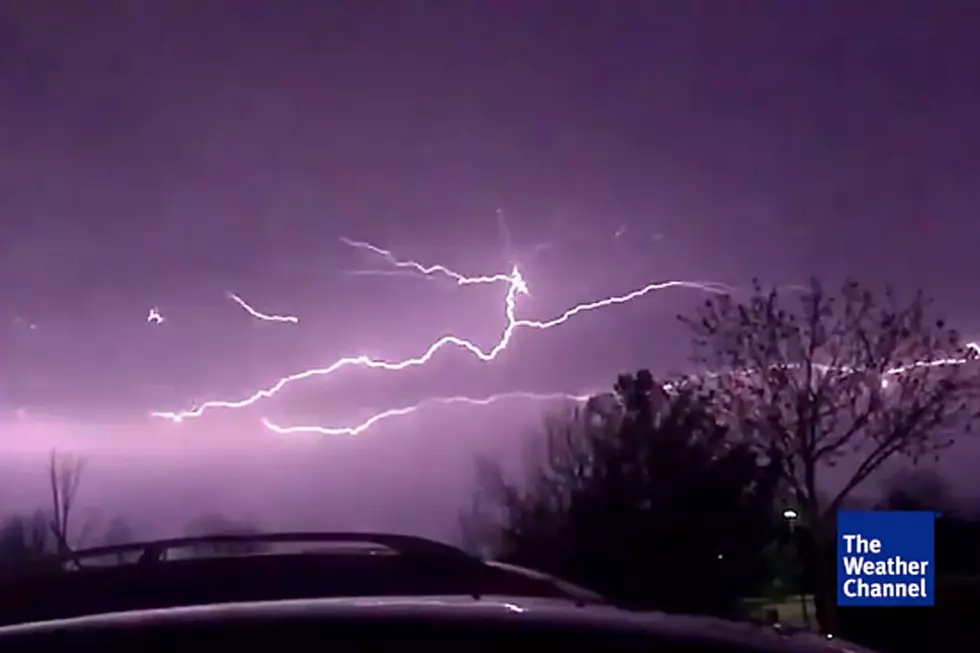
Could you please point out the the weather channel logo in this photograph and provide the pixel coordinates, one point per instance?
(886, 558)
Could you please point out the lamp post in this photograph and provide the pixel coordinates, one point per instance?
(791, 516)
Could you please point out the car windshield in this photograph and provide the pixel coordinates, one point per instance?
(663, 305)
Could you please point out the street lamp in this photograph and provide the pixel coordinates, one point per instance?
(791, 516)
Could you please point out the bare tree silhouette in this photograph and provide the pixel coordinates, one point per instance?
(822, 377)
(64, 477)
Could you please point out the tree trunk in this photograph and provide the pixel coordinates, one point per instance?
(825, 593)
(823, 566)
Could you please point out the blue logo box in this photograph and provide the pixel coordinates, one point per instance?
(886, 558)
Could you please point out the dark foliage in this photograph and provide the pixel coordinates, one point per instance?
(957, 528)
(25, 539)
(653, 506)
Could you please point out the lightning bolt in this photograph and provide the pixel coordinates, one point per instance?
(384, 273)
(154, 317)
(408, 410)
(516, 286)
(971, 349)
(259, 315)
(972, 353)
(413, 267)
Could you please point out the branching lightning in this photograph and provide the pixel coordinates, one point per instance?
(258, 314)
(514, 279)
(516, 286)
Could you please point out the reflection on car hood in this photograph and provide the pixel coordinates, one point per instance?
(497, 607)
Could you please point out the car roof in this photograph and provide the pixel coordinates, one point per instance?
(340, 565)
(499, 610)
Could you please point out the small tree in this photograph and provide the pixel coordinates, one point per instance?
(823, 378)
(654, 506)
(64, 477)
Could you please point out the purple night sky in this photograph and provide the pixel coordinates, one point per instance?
(161, 155)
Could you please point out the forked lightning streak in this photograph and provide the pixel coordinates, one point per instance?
(516, 286)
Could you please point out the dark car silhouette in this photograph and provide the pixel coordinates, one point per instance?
(350, 591)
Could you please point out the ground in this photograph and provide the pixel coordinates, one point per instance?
(790, 610)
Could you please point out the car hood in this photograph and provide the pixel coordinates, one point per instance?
(496, 607)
